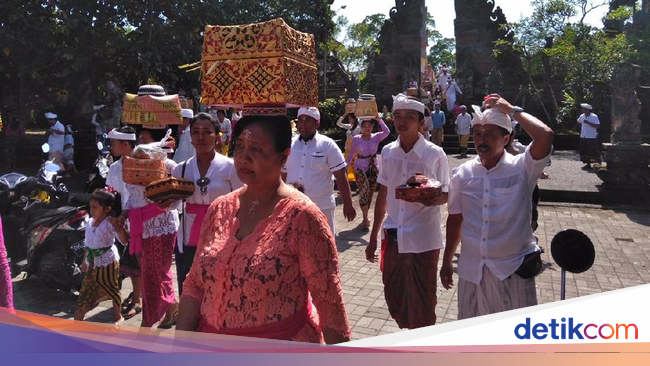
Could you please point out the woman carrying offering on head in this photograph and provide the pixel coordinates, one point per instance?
(265, 253)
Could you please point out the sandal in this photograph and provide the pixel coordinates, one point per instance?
(127, 301)
(170, 323)
(127, 312)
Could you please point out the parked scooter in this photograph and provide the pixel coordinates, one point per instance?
(99, 172)
(39, 231)
(20, 193)
(55, 247)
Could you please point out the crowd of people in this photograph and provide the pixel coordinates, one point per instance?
(254, 245)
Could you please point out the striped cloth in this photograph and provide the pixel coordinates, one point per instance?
(493, 295)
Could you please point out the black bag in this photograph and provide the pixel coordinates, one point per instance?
(531, 266)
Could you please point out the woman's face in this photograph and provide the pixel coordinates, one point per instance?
(204, 136)
(256, 160)
(366, 127)
(351, 119)
(145, 137)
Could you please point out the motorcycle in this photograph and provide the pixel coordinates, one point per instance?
(99, 172)
(19, 193)
(55, 247)
(39, 231)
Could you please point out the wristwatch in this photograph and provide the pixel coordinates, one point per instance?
(515, 110)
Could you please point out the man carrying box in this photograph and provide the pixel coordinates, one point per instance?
(412, 230)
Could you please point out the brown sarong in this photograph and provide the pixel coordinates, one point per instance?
(410, 284)
(589, 150)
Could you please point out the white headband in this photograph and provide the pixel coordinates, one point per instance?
(187, 113)
(49, 115)
(114, 134)
(491, 116)
(586, 106)
(312, 112)
(401, 101)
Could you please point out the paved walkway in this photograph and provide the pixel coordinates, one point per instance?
(621, 238)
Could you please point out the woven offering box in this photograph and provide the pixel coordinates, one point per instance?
(261, 64)
(170, 188)
(142, 171)
(366, 106)
(429, 190)
(350, 106)
(412, 92)
(152, 111)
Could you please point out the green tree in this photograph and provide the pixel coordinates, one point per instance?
(60, 53)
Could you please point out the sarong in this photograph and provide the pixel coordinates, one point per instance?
(589, 150)
(410, 284)
(367, 181)
(98, 283)
(6, 288)
(157, 281)
(493, 295)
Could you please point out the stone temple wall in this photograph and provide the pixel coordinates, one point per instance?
(478, 72)
(403, 45)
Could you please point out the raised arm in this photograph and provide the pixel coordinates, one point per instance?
(385, 131)
(541, 134)
(343, 125)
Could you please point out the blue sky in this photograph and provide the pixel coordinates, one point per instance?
(443, 11)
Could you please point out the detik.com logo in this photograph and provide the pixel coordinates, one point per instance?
(571, 330)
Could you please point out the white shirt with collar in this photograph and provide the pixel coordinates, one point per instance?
(312, 164)
(223, 180)
(496, 205)
(588, 132)
(464, 123)
(185, 148)
(418, 226)
(56, 141)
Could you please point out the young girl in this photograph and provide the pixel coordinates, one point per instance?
(102, 263)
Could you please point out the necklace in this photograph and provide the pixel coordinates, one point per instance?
(203, 184)
(251, 211)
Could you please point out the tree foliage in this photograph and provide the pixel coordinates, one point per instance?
(554, 47)
(60, 53)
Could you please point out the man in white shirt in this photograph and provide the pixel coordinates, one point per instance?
(185, 150)
(463, 125)
(122, 143)
(226, 131)
(588, 136)
(55, 139)
(450, 90)
(490, 210)
(412, 231)
(315, 162)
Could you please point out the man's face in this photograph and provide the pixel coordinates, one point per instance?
(51, 121)
(186, 122)
(437, 107)
(586, 111)
(489, 141)
(307, 126)
(407, 121)
(221, 116)
(118, 147)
